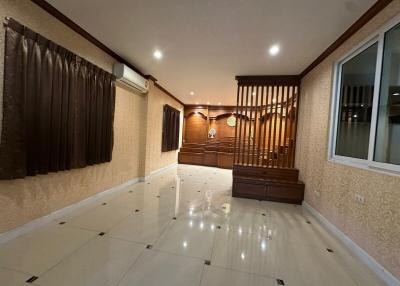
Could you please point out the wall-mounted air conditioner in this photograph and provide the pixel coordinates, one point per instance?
(131, 78)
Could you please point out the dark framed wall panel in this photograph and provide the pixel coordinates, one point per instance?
(171, 127)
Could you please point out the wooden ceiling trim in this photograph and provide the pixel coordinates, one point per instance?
(78, 29)
(364, 19)
(264, 80)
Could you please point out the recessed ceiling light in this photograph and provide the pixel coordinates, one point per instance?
(219, 103)
(274, 50)
(197, 103)
(208, 103)
(192, 93)
(157, 54)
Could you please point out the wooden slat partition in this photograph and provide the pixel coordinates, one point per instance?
(267, 137)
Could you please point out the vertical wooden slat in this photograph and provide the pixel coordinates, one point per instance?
(271, 105)
(208, 123)
(265, 125)
(267, 143)
(236, 126)
(260, 125)
(275, 119)
(295, 128)
(285, 147)
(291, 126)
(241, 125)
(250, 126)
(280, 158)
(245, 126)
(256, 108)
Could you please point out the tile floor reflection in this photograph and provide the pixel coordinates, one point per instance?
(163, 231)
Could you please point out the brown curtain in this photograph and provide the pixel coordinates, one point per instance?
(170, 135)
(58, 109)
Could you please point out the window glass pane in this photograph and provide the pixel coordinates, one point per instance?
(355, 107)
(387, 145)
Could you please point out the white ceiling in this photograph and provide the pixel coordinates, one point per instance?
(206, 43)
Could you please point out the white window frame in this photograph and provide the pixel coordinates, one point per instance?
(369, 163)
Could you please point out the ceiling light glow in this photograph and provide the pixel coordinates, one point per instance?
(192, 93)
(157, 54)
(274, 50)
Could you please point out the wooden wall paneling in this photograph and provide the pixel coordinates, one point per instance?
(196, 124)
(224, 131)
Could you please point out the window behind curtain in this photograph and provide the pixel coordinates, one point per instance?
(170, 132)
(58, 109)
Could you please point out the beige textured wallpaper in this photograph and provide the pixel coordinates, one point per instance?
(26, 199)
(155, 158)
(375, 226)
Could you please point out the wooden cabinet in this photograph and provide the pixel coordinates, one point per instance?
(250, 189)
(272, 184)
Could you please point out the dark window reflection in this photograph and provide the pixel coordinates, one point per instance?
(356, 96)
(387, 145)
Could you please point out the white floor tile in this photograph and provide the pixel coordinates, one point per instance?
(216, 276)
(157, 268)
(41, 249)
(12, 278)
(143, 227)
(192, 238)
(101, 262)
(100, 218)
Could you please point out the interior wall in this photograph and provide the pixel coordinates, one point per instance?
(199, 119)
(221, 126)
(196, 128)
(26, 199)
(156, 101)
(331, 187)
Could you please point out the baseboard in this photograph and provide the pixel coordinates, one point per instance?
(378, 269)
(158, 171)
(11, 234)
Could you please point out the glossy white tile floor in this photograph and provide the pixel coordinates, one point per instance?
(182, 228)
